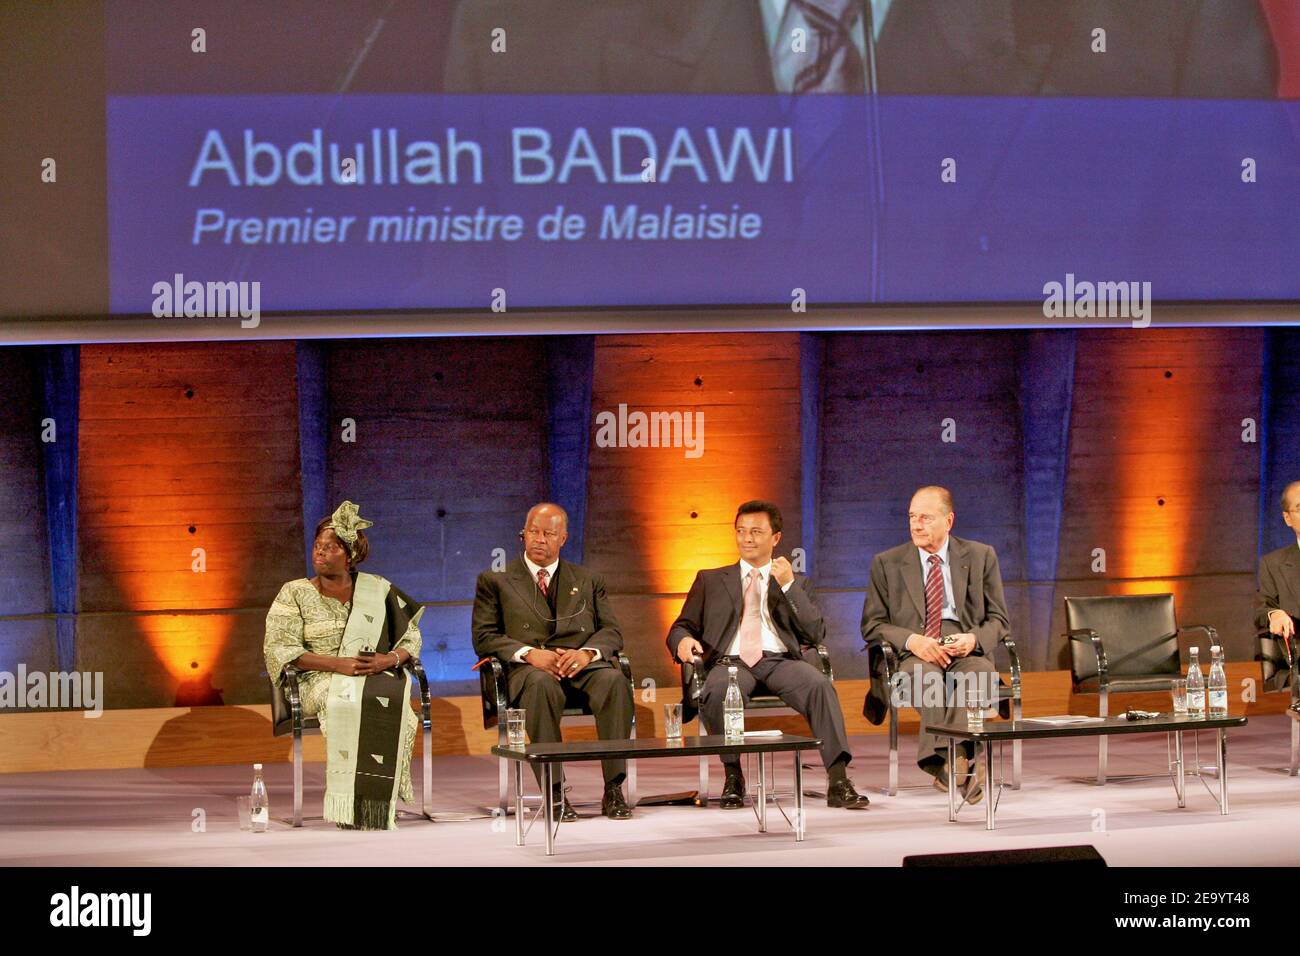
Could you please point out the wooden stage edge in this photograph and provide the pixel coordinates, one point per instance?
(191, 736)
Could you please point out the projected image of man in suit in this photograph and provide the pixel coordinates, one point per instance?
(550, 623)
(757, 616)
(938, 600)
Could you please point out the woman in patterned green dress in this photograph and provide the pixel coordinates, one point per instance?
(350, 635)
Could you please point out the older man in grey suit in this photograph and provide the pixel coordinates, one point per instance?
(938, 600)
(550, 623)
(1277, 602)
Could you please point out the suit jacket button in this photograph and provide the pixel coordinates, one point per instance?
(583, 630)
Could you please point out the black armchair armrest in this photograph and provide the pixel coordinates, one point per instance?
(492, 689)
(288, 691)
(824, 660)
(1103, 668)
(692, 687)
(882, 664)
(1210, 632)
(417, 670)
(1293, 653)
(1013, 663)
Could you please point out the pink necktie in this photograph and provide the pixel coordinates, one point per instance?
(751, 625)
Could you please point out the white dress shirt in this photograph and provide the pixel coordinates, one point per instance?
(550, 584)
(774, 10)
(770, 641)
(949, 612)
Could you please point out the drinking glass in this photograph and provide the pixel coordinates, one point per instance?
(515, 728)
(673, 721)
(975, 707)
(1179, 690)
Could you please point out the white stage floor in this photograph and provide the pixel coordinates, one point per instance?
(146, 817)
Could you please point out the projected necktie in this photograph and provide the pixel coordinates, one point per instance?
(933, 598)
(822, 58)
(751, 627)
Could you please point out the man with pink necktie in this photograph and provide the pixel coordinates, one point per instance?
(938, 599)
(757, 616)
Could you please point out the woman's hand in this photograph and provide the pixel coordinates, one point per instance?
(375, 663)
(351, 666)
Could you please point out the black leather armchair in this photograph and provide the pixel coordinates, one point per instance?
(1280, 664)
(287, 718)
(693, 675)
(1124, 644)
(496, 699)
(882, 664)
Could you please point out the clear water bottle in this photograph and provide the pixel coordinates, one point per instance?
(733, 709)
(1218, 684)
(1195, 687)
(259, 808)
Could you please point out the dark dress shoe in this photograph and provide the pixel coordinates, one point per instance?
(614, 806)
(842, 794)
(564, 811)
(733, 791)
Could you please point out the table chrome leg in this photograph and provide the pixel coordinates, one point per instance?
(519, 802)
(1294, 769)
(798, 797)
(548, 807)
(1221, 764)
(990, 798)
(952, 780)
(762, 792)
(1180, 779)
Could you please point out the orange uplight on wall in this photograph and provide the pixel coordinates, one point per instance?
(656, 515)
(1162, 462)
(174, 474)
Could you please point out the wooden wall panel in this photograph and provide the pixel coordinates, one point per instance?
(885, 398)
(448, 457)
(174, 437)
(24, 559)
(655, 516)
(1160, 478)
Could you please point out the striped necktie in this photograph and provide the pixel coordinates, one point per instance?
(933, 598)
(822, 58)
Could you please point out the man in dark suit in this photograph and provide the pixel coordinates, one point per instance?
(757, 616)
(1277, 603)
(1192, 48)
(550, 623)
(938, 600)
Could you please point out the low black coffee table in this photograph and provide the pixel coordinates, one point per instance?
(549, 755)
(996, 731)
